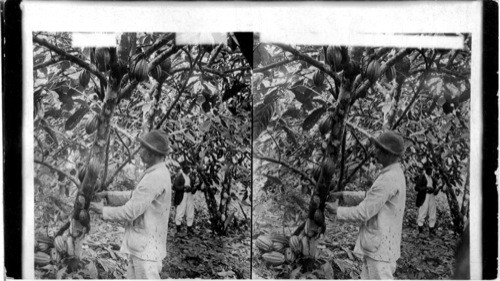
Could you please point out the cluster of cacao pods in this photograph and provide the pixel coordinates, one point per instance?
(49, 250)
(84, 78)
(275, 248)
(102, 58)
(337, 57)
(139, 68)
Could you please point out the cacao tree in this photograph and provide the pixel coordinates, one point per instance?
(91, 104)
(316, 106)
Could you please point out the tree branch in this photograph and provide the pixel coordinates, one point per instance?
(273, 65)
(321, 66)
(64, 55)
(414, 98)
(157, 45)
(110, 180)
(47, 63)
(180, 92)
(75, 181)
(304, 175)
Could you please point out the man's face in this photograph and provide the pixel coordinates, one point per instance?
(145, 155)
(428, 171)
(186, 170)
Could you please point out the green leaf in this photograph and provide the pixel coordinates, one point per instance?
(261, 117)
(313, 118)
(292, 112)
(74, 119)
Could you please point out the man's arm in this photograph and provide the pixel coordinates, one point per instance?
(141, 199)
(118, 198)
(375, 199)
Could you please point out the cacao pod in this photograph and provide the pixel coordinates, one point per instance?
(84, 78)
(60, 244)
(94, 167)
(140, 70)
(318, 78)
(333, 57)
(45, 239)
(295, 244)
(289, 255)
(83, 217)
(156, 73)
(277, 246)
(92, 124)
(373, 71)
(81, 173)
(328, 169)
(42, 258)
(280, 238)
(390, 73)
(274, 258)
(311, 229)
(305, 246)
(325, 126)
(70, 246)
(403, 66)
(319, 217)
(102, 58)
(264, 243)
(166, 65)
(43, 246)
(54, 255)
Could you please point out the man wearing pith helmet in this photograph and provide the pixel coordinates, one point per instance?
(145, 210)
(380, 212)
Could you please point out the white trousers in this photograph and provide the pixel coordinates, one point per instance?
(186, 207)
(428, 208)
(143, 269)
(377, 270)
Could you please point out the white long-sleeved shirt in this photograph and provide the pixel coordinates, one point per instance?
(147, 210)
(381, 214)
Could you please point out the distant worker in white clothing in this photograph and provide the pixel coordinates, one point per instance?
(426, 183)
(185, 190)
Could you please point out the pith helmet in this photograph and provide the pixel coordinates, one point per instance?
(155, 140)
(391, 142)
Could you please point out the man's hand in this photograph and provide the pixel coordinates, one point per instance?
(332, 207)
(96, 207)
(100, 195)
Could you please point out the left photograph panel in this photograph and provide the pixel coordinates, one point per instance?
(141, 155)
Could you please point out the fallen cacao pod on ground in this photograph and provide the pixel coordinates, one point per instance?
(264, 243)
(42, 258)
(274, 258)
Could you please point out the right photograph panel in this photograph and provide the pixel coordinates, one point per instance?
(360, 161)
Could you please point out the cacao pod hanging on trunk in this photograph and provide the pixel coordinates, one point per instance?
(403, 66)
(390, 73)
(84, 78)
(333, 58)
(157, 73)
(102, 58)
(372, 70)
(92, 124)
(318, 78)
